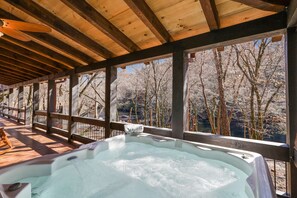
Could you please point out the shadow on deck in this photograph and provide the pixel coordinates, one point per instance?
(29, 144)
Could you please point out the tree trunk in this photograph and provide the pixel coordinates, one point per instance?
(252, 116)
(224, 121)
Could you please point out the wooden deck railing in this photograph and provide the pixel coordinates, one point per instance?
(13, 113)
(91, 129)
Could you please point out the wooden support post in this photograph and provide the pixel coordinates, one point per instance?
(291, 66)
(51, 103)
(35, 102)
(9, 102)
(179, 94)
(6, 99)
(2, 101)
(73, 104)
(21, 103)
(110, 98)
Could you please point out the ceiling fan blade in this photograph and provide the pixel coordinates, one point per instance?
(15, 34)
(24, 26)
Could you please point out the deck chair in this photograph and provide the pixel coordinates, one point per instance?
(4, 141)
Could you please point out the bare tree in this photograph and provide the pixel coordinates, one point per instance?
(260, 68)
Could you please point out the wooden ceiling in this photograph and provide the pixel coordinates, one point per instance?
(85, 32)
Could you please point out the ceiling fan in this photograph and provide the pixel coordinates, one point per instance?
(13, 28)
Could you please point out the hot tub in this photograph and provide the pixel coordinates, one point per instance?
(141, 166)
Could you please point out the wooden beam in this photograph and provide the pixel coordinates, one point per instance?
(260, 28)
(147, 16)
(30, 55)
(73, 104)
(110, 99)
(265, 5)
(5, 80)
(8, 71)
(68, 49)
(89, 13)
(292, 14)
(51, 103)
(278, 2)
(23, 59)
(35, 102)
(11, 76)
(211, 14)
(17, 61)
(45, 78)
(20, 103)
(9, 103)
(52, 41)
(64, 62)
(20, 71)
(179, 94)
(43, 15)
(291, 72)
(8, 83)
(18, 68)
(256, 29)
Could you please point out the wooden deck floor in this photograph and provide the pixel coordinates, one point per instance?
(29, 144)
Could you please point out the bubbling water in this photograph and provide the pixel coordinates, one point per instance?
(142, 170)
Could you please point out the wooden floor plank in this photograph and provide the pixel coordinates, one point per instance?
(29, 144)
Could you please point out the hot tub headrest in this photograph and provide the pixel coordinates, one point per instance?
(133, 129)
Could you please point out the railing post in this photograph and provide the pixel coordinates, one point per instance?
(179, 94)
(35, 102)
(9, 112)
(291, 73)
(73, 104)
(21, 103)
(51, 103)
(110, 98)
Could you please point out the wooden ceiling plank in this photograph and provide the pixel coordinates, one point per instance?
(8, 82)
(21, 71)
(211, 14)
(48, 65)
(264, 5)
(17, 70)
(46, 17)
(11, 79)
(144, 12)
(12, 72)
(67, 49)
(52, 41)
(89, 13)
(13, 75)
(256, 29)
(25, 60)
(5, 81)
(15, 62)
(45, 52)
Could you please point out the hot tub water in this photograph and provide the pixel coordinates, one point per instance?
(141, 170)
